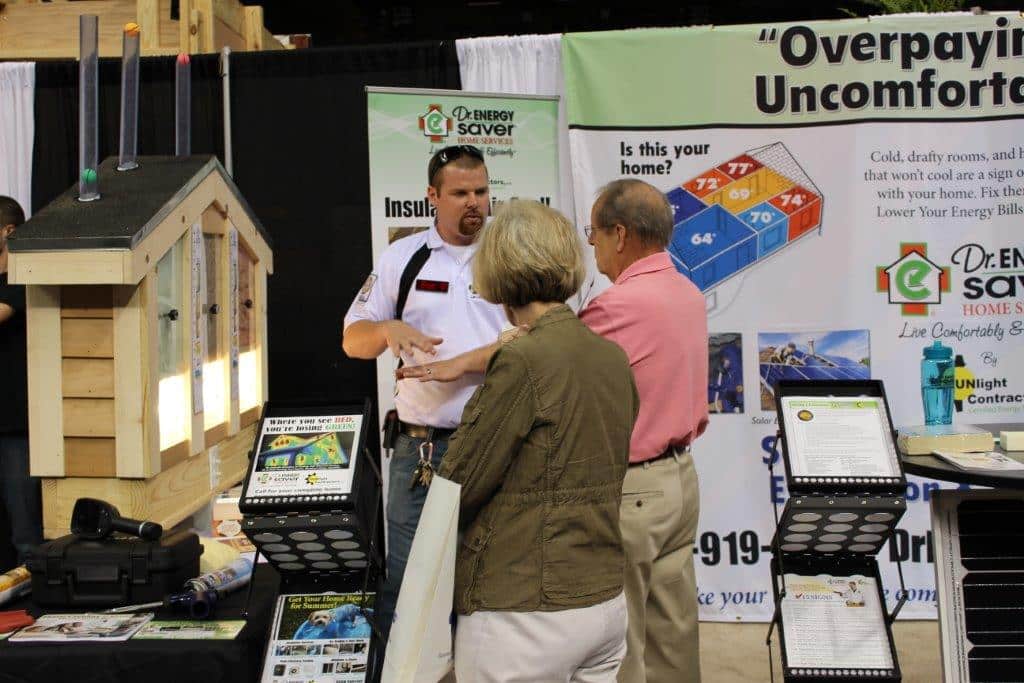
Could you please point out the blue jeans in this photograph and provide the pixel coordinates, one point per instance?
(19, 493)
(403, 514)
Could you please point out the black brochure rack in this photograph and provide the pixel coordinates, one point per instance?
(323, 529)
(835, 522)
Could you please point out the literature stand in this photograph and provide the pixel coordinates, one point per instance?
(312, 501)
(846, 489)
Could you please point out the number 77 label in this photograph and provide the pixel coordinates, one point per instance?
(739, 167)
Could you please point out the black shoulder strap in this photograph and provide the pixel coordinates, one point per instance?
(412, 269)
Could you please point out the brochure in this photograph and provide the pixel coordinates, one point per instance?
(319, 638)
(986, 460)
(839, 437)
(190, 630)
(834, 622)
(83, 627)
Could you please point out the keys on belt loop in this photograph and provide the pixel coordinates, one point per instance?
(424, 471)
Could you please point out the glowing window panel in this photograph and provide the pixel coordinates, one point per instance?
(214, 395)
(173, 411)
(249, 392)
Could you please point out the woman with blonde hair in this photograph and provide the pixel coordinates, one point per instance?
(541, 455)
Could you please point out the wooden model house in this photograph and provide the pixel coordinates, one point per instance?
(147, 329)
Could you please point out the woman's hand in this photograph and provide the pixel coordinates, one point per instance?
(474, 361)
(440, 371)
(513, 333)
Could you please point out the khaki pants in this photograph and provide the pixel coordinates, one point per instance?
(660, 507)
(583, 645)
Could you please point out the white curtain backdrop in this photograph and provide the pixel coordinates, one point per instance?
(17, 129)
(526, 65)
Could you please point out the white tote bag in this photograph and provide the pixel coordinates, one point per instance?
(420, 646)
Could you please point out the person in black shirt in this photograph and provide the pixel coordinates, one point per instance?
(19, 492)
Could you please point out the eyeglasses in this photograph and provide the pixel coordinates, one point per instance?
(449, 154)
(588, 230)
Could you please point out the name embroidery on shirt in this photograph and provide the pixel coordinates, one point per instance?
(432, 286)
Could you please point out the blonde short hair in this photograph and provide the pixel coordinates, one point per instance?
(529, 252)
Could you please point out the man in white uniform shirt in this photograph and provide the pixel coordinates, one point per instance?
(419, 302)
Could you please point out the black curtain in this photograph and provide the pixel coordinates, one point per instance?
(299, 133)
(55, 152)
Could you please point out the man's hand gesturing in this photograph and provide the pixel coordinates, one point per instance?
(403, 338)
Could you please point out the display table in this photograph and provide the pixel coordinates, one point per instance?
(936, 468)
(152, 661)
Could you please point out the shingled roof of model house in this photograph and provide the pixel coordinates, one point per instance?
(131, 205)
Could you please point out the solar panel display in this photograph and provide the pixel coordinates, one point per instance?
(979, 541)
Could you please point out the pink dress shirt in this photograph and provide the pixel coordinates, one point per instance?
(658, 318)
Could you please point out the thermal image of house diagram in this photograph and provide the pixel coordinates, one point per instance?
(304, 450)
(734, 215)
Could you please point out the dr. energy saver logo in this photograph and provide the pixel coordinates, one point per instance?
(913, 280)
(471, 126)
(435, 124)
(993, 279)
(992, 284)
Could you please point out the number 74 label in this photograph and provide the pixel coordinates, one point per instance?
(792, 200)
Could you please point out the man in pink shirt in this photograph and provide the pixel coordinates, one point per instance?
(658, 317)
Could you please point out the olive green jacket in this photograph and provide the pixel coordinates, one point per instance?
(541, 454)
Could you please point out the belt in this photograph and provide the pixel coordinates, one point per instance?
(421, 432)
(667, 453)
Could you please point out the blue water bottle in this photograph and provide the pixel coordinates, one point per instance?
(937, 384)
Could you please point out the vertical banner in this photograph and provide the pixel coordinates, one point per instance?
(845, 194)
(518, 136)
(233, 307)
(198, 292)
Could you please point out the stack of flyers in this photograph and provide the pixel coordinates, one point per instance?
(83, 627)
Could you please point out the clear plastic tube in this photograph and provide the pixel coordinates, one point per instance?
(88, 62)
(225, 79)
(183, 106)
(129, 98)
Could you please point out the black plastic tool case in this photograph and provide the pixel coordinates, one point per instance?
(73, 572)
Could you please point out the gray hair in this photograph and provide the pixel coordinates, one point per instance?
(639, 207)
